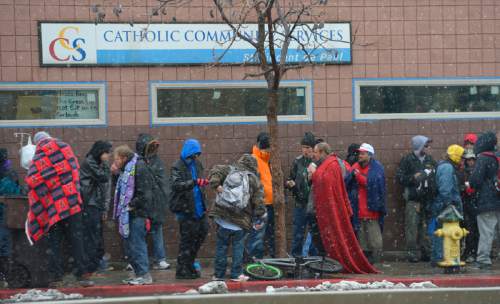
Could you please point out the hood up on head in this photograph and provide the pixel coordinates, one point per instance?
(146, 145)
(486, 143)
(190, 148)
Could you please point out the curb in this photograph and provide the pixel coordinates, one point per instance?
(260, 286)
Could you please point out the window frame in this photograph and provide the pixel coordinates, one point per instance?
(100, 86)
(217, 84)
(357, 83)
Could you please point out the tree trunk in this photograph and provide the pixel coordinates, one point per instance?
(276, 170)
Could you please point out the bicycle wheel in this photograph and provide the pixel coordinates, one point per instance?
(326, 266)
(261, 271)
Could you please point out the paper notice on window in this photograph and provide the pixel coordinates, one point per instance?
(300, 92)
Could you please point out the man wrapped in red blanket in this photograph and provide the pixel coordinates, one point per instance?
(55, 203)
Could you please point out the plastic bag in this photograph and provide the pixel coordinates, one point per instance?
(27, 153)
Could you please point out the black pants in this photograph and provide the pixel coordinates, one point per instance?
(193, 233)
(316, 236)
(472, 239)
(72, 229)
(93, 238)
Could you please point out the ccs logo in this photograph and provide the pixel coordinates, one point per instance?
(65, 43)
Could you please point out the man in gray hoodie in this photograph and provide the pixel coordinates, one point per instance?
(414, 173)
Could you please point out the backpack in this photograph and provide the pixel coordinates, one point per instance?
(428, 188)
(236, 194)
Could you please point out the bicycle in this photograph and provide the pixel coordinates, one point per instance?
(274, 269)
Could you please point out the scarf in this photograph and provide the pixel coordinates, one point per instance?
(123, 195)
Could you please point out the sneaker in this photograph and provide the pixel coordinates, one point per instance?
(129, 268)
(86, 283)
(130, 278)
(480, 266)
(142, 280)
(163, 265)
(214, 278)
(241, 278)
(470, 259)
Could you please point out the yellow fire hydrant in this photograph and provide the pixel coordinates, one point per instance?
(451, 233)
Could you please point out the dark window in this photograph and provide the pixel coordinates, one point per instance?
(429, 99)
(227, 102)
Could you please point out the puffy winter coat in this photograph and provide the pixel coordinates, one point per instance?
(161, 183)
(484, 175)
(448, 189)
(264, 173)
(255, 208)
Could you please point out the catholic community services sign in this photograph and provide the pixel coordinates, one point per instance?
(181, 44)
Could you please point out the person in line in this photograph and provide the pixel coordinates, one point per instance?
(263, 237)
(9, 185)
(470, 140)
(484, 179)
(414, 174)
(239, 200)
(366, 185)
(352, 154)
(55, 206)
(147, 147)
(95, 182)
(133, 203)
(448, 193)
(298, 183)
(333, 234)
(188, 204)
(469, 199)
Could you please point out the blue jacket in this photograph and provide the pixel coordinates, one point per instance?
(376, 192)
(448, 189)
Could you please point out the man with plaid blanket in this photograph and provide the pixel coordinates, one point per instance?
(55, 205)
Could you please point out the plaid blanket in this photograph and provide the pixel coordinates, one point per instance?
(54, 187)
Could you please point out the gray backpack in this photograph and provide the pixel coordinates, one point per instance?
(236, 194)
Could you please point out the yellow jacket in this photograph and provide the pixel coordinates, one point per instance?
(265, 173)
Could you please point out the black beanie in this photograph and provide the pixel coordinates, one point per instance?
(308, 140)
(263, 140)
(98, 148)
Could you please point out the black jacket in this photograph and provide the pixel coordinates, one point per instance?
(298, 174)
(95, 183)
(484, 175)
(142, 202)
(409, 165)
(160, 179)
(182, 188)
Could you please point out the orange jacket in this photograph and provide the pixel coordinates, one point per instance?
(265, 173)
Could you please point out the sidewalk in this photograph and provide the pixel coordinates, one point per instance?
(110, 285)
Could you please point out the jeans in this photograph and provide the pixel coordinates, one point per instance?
(300, 221)
(193, 232)
(72, 228)
(5, 236)
(137, 247)
(437, 245)
(237, 240)
(269, 234)
(255, 243)
(159, 252)
(487, 223)
(416, 229)
(93, 238)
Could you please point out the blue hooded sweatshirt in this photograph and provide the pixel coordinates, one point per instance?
(190, 148)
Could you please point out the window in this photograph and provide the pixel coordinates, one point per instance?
(227, 102)
(426, 98)
(52, 104)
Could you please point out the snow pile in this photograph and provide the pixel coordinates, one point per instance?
(351, 285)
(36, 295)
(213, 287)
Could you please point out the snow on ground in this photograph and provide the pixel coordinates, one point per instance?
(351, 285)
(36, 295)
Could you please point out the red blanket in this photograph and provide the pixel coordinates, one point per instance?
(54, 181)
(333, 213)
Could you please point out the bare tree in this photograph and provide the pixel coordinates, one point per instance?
(278, 22)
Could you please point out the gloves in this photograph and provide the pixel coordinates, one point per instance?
(469, 191)
(201, 182)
